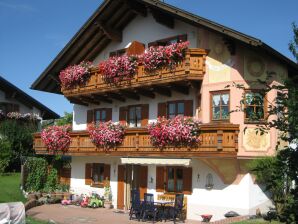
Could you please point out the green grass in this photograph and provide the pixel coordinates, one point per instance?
(10, 188)
(257, 221)
(30, 220)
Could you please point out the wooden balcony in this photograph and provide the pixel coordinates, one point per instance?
(216, 140)
(191, 69)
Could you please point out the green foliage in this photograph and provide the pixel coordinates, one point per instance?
(66, 119)
(5, 154)
(20, 138)
(293, 45)
(37, 173)
(52, 181)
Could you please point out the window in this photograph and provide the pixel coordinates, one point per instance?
(100, 115)
(253, 106)
(168, 41)
(118, 53)
(97, 174)
(9, 107)
(175, 108)
(134, 116)
(220, 106)
(174, 179)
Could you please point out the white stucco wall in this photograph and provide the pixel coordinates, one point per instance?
(23, 108)
(243, 198)
(80, 112)
(146, 30)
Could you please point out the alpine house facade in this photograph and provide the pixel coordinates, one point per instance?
(213, 173)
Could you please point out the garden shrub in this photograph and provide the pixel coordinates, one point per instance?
(37, 174)
(52, 180)
(5, 154)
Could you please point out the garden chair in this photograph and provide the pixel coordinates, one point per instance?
(136, 207)
(176, 211)
(148, 207)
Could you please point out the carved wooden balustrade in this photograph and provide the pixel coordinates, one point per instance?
(191, 68)
(215, 140)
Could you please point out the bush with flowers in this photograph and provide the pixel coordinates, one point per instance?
(164, 56)
(75, 75)
(176, 132)
(117, 69)
(106, 134)
(56, 138)
(18, 116)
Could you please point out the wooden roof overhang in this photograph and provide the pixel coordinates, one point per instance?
(108, 21)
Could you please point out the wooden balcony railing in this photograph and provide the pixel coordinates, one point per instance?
(191, 68)
(219, 140)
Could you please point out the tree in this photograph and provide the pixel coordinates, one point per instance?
(66, 119)
(293, 45)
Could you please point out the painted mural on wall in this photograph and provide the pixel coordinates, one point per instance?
(255, 142)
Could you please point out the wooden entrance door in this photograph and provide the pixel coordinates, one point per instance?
(143, 180)
(121, 186)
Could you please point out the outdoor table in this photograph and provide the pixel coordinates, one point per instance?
(163, 205)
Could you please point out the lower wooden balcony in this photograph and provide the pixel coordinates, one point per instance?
(215, 140)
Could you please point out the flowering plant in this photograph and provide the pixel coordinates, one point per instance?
(106, 134)
(157, 57)
(179, 131)
(18, 116)
(117, 69)
(75, 75)
(56, 138)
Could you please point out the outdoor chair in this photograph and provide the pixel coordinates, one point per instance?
(176, 211)
(148, 207)
(136, 207)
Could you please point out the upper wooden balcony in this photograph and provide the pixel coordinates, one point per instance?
(215, 140)
(191, 69)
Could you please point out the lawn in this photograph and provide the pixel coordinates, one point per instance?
(257, 221)
(10, 188)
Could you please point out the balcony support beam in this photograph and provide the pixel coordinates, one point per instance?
(180, 89)
(115, 96)
(101, 98)
(144, 92)
(77, 101)
(130, 95)
(110, 32)
(89, 100)
(162, 91)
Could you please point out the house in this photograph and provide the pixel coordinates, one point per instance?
(13, 99)
(213, 175)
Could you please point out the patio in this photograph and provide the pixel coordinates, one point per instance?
(71, 214)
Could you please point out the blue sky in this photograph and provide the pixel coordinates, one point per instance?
(33, 32)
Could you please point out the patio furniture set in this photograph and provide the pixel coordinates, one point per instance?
(159, 210)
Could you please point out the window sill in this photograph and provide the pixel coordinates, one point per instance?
(255, 122)
(101, 185)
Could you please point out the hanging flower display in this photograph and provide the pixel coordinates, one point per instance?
(18, 116)
(56, 138)
(117, 69)
(75, 75)
(179, 131)
(164, 56)
(106, 134)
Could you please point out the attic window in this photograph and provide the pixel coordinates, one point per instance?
(169, 40)
(118, 53)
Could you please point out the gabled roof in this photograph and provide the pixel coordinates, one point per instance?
(108, 21)
(16, 93)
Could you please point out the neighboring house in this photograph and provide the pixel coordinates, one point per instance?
(214, 175)
(13, 99)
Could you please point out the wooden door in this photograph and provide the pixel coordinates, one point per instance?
(121, 183)
(143, 180)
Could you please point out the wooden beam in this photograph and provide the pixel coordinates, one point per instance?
(136, 7)
(145, 92)
(162, 91)
(10, 95)
(163, 18)
(89, 100)
(130, 95)
(110, 32)
(115, 96)
(77, 101)
(101, 98)
(180, 89)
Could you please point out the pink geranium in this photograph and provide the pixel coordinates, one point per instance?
(117, 69)
(164, 56)
(56, 138)
(179, 131)
(75, 75)
(106, 134)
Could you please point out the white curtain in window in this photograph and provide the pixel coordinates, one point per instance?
(216, 100)
(225, 98)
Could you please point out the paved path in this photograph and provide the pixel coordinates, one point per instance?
(71, 214)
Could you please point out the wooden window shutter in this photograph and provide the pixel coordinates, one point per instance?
(143, 175)
(122, 115)
(187, 180)
(88, 173)
(108, 114)
(107, 174)
(188, 108)
(162, 110)
(145, 114)
(90, 116)
(160, 178)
